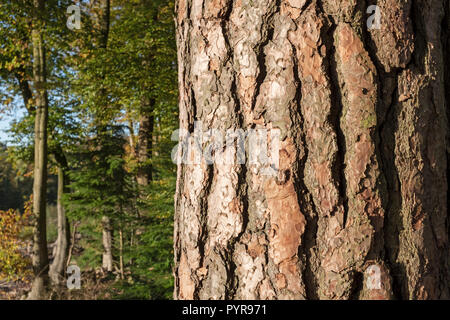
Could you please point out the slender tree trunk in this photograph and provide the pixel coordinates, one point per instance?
(358, 209)
(146, 123)
(57, 268)
(40, 253)
(72, 242)
(107, 258)
(145, 142)
(121, 253)
(102, 23)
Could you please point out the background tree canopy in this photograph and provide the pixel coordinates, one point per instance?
(111, 94)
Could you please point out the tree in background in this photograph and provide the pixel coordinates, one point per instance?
(25, 35)
(40, 254)
(148, 92)
(110, 94)
(138, 70)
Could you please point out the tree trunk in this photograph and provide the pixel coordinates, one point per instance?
(107, 258)
(145, 142)
(57, 268)
(358, 207)
(40, 253)
(121, 268)
(102, 24)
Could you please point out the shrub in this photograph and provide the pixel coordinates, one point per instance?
(13, 260)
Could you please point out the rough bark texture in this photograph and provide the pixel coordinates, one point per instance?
(40, 253)
(362, 182)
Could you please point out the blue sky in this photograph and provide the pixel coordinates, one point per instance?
(5, 119)
(7, 114)
(4, 125)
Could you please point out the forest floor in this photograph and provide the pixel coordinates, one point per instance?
(14, 290)
(96, 286)
(96, 283)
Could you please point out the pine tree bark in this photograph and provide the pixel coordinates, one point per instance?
(362, 182)
(40, 251)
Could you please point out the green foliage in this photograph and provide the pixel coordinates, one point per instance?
(99, 181)
(151, 268)
(14, 185)
(90, 244)
(138, 63)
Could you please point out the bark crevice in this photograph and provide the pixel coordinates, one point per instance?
(310, 277)
(261, 56)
